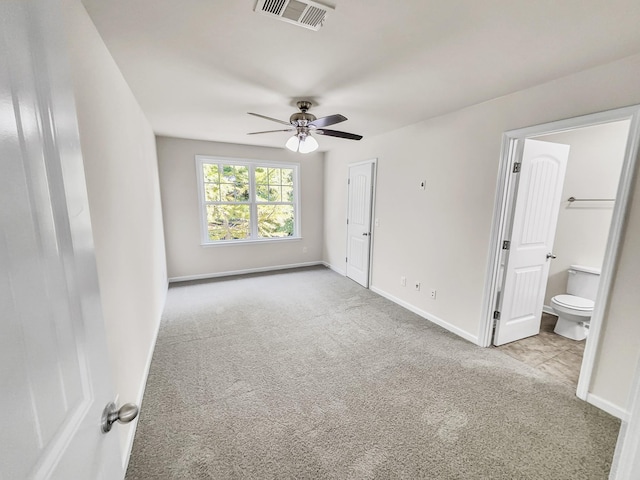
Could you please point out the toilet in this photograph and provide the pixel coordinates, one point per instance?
(575, 307)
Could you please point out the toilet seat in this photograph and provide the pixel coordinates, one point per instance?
(573, 302)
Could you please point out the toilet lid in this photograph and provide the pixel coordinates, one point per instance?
(571, 301)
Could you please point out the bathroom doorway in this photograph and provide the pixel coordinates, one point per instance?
(592, 205)
(587, 196)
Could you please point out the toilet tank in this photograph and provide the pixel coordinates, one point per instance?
(583, 281)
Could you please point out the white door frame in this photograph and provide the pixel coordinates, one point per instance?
(374, 174)
(626, 459)
(511, 141)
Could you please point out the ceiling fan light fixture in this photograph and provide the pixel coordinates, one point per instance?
(302, 143)
(293, 143)
(308, 144)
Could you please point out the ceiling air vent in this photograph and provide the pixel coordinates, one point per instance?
(305, 13)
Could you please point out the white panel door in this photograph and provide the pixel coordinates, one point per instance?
(359, 222)
(54, 373)
(533, 230)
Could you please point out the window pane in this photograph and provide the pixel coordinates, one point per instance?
(242, 192)
(210, 172)
(287, 194)
(228, 191)
(274, 194)
(275, 221)
(261, 175)
(262, 193)
(274, 176)
(227, 222)
(211, 192)
(240, 178)
(287, 176)
(242, 175)
(228, 174)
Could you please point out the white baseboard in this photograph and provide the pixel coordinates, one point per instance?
(549, 310)
(608, 407)
(427, 315)
(128, 447)
(335, 269)
(205, 276)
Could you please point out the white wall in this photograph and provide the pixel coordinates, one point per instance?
(440, 237)
(618, 352)
(593, 171)
(119, 154)
(178, 184)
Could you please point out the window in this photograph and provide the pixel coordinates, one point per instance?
(244, 200)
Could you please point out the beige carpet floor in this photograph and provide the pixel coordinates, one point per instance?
(304, 374)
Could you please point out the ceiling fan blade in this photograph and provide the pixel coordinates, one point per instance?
(273, 131)
(336, 133)
(269, 118)
(330, 120)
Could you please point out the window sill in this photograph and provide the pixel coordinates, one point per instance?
(225, 243)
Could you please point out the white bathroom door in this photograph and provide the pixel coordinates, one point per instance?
(54, 371)
(537, 204)
(359, 222)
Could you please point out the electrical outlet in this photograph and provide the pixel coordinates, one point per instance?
(305, 249)
(423, 184)
(417, 286)
(377, 222)
(433, 293)
(403, 281)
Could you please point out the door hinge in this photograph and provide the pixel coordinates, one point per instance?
(506, 245)
(346, 260)
(348, 181)
(516, 167)
(347, 221)
(496, 315)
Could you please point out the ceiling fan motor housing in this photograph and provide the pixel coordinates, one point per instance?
(302, 118)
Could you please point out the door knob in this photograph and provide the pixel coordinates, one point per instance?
(365, 234)
(111, 414)
(550, 256)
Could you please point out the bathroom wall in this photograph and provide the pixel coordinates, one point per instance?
(593, 171)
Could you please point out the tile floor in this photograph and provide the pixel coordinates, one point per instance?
(552, 353)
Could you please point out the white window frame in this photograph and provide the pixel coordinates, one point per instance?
(252, 164)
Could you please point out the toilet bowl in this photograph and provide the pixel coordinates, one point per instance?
(575, 307)
(574, 314)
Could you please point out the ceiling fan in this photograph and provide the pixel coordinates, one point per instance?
(303, 124)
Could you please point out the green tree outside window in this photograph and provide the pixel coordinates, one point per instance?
(229, 205)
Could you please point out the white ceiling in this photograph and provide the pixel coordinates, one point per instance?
(197, 66)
